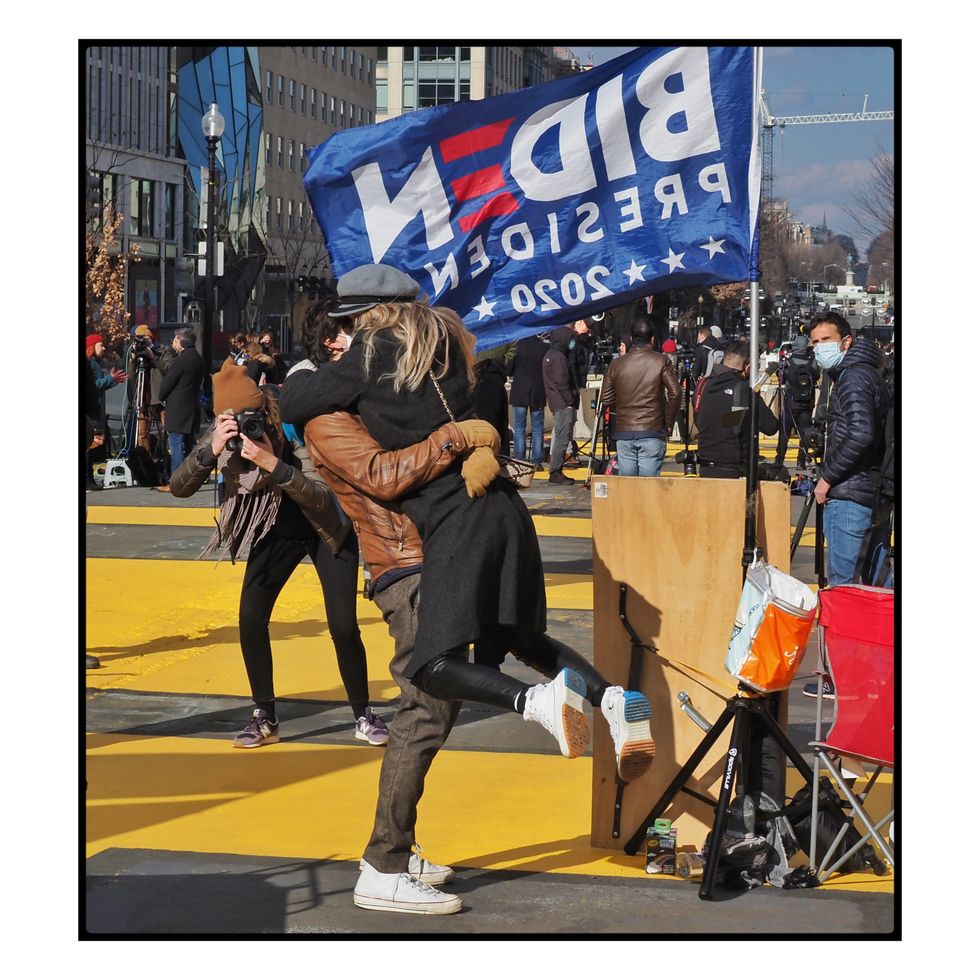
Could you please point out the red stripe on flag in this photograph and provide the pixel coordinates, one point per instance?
(501, 204)
(481, 138)
(479, 183)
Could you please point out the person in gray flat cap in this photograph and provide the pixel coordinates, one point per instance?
(409, 369)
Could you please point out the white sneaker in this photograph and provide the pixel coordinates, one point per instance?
(628, 716)
(423, 870)
(559, 708)
(401, 893)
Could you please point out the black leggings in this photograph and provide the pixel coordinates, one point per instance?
(451, 677)
(270, 564)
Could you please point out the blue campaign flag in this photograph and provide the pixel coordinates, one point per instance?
(549, 204)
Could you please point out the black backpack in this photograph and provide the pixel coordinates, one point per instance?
(798, 380)
(145, 472)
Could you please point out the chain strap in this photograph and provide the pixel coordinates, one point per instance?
(442, 397)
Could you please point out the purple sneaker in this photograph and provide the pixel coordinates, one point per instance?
(259, 731)
(371, 729)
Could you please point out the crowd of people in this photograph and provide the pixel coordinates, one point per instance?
(382, 445)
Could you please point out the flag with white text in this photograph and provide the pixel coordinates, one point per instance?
(555, 202)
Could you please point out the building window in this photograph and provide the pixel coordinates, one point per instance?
(333, 110)
(370, 117)
(333, 57)
(279, 152)
(170, 211)
(313, 103)
(370, 67)
(381, 90)
(268, 148)
(464, 54)
(141, 208)
(292, 226)
(360, 67)
(292, 95)
(323, 106)
(268, 87)
(302, 158)
(313, 53)
(343, 58)
(408, 54)
(408, 94)
(279, 213)
(383, 56)
(360, 116)
(302, 99)
(280, 81)
(304, 51)
(292, 154)
(302, 211)
(343, 113)
(268, 213)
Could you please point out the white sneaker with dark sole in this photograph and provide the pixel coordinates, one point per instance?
(559, 707)
(628, 716)
(401, 893)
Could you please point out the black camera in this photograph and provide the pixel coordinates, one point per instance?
(142, 350)
(685, 362)
(251, 424)
(688, 458)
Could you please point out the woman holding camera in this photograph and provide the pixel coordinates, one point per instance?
(278, 508)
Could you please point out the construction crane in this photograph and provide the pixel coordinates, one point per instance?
(770, 122)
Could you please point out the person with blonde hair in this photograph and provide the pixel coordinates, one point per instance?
(408, 371)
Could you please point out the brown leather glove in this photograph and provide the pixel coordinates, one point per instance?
(476, 432)
(480, 466)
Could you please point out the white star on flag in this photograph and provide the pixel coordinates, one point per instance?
(485, 308)
(635, 272)
(713, 247)
(673, 261)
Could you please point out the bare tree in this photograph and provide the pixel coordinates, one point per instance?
(873, 210)
(296, 254)
(105, 279)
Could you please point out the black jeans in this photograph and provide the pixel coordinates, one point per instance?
(452, 677)
(270, 563)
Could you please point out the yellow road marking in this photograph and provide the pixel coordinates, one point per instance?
(306, 801)
(189, 644)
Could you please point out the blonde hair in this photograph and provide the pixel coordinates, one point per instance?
(425, 335)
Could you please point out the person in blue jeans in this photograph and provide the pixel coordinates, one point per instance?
(527, 394)
(640, 386)
(855, 446)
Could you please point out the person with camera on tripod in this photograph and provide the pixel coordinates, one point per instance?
(642, 389)
(797, 395)
(723, 450)
(179, 392)
(278, 509)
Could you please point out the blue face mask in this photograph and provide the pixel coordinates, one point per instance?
(827, 354)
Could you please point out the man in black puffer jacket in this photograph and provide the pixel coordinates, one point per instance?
(851, 470)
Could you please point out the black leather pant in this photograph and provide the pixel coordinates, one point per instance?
(451, 677)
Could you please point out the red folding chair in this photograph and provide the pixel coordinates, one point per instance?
(856, 637)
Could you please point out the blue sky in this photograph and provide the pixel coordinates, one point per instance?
(818, 168)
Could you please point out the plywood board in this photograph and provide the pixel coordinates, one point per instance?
(677, 546)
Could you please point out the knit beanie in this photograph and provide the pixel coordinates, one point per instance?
(143, 331)
(234, 389)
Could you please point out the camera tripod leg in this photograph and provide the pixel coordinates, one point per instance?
(801, 523)
(736, 756)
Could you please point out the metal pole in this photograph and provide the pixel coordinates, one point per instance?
(209, 304)
(752, 476)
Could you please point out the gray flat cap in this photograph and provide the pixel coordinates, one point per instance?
(368, 285)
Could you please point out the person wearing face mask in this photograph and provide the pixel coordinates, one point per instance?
(724, 450)
(855, 444)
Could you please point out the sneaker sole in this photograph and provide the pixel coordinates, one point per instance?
(412, 908)
(575, 731)
(271, 740)
(639, 748)
(363, 738)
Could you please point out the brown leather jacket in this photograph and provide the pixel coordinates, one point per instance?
(642, 387)
(367, 480)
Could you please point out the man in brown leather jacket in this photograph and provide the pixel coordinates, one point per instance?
(640, 386)
(367, 480)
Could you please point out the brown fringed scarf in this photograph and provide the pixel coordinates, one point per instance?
(252, 499)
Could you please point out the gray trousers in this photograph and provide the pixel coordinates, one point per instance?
(561, 435)
(419, 729)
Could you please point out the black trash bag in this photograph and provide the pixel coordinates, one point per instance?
(830, 819)
(757, 846)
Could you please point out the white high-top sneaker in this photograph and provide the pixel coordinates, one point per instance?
(559, 708)
(628, 716)
(401, 893)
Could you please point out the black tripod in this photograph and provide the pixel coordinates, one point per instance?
(600, 424)
(745, 709)
(818, 545)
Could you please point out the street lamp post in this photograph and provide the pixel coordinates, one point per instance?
(213, 124)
